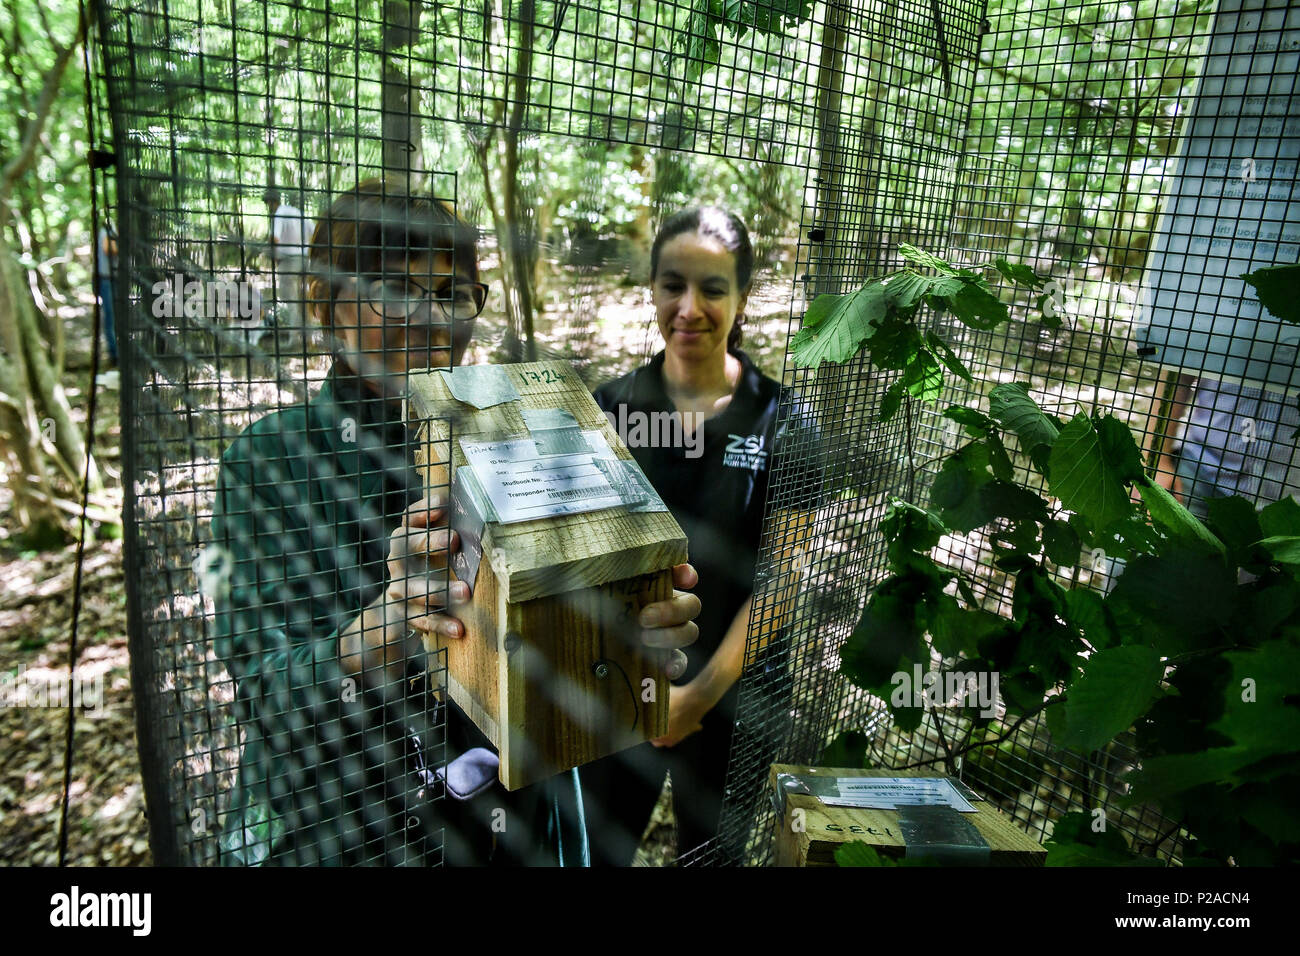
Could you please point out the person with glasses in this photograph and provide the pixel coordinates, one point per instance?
(331, 560)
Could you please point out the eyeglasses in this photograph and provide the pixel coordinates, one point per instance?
(395, 299)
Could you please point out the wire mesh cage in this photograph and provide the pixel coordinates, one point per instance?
(257, 532)
(1048, 130)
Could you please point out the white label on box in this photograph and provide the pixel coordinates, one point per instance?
(523, 485)
(890, 793)
(596, 442)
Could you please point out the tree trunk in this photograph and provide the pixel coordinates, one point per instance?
(642, 227)
(401, 134)
(501, 228)
(33, 407)
(521, 247)
(20, 425)
(769, 222)
(824, 253)
(44, 387)
(671, 168)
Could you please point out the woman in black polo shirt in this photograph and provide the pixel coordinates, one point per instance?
(714, 478)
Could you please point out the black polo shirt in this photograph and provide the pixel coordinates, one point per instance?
(717, 488)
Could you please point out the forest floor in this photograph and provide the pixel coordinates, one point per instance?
(610, 332)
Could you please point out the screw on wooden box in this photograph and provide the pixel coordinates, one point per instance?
(809, 831)
(551, 667)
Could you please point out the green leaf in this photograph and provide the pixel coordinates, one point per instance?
(821, 307)
(908, 531)
(975, 422)
(1168, 776)
(977, 307)
(1271, 809)
(1278, 288)
(888, 636)
(925, 260)
(1285, 549)
(1265, 609)
(906, 289)
(999, 460)
(837, 335)
(857, 853)
(1087, 473)
(943, 286)
(1280, 519)
(1019, 414)
(894, 344)
(891, 401)
(1180, 524)
(923, 377)
(947, 635)
(948, 357)
(1089, 614)
(1180, 600)
(958, 631)
(849, 749)
(1132, 536)
(1061, 543)
(1050, 319)
(1267, 720)
(1117, 687)
(1045, 645)
(1162, 776)
(1235, 522)
(1074, 842)
(1013, 546)
(1120, 449)
(1005, 499)
(1019, 273)
(955, 491)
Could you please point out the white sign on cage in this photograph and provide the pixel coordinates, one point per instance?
(1232, 207)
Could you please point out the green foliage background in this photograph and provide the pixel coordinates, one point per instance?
(1196, 646)
(1086, 126)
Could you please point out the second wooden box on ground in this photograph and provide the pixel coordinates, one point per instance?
(811, 827)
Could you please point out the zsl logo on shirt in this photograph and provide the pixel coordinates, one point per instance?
(744, 451)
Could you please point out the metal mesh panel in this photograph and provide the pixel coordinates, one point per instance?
(913, 121)
(213, 104)
(1073, 153)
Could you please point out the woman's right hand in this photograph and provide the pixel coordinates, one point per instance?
(420, 590)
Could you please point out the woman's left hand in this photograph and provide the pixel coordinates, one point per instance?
(686, 710)
(671, 623)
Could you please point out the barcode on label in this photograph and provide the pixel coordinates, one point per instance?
(570, 494)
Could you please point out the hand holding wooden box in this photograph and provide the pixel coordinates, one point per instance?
(551, 667)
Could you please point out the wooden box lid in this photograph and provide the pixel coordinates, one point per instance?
(537, 558)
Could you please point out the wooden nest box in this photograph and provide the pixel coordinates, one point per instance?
(897, 813)
(551, 667)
